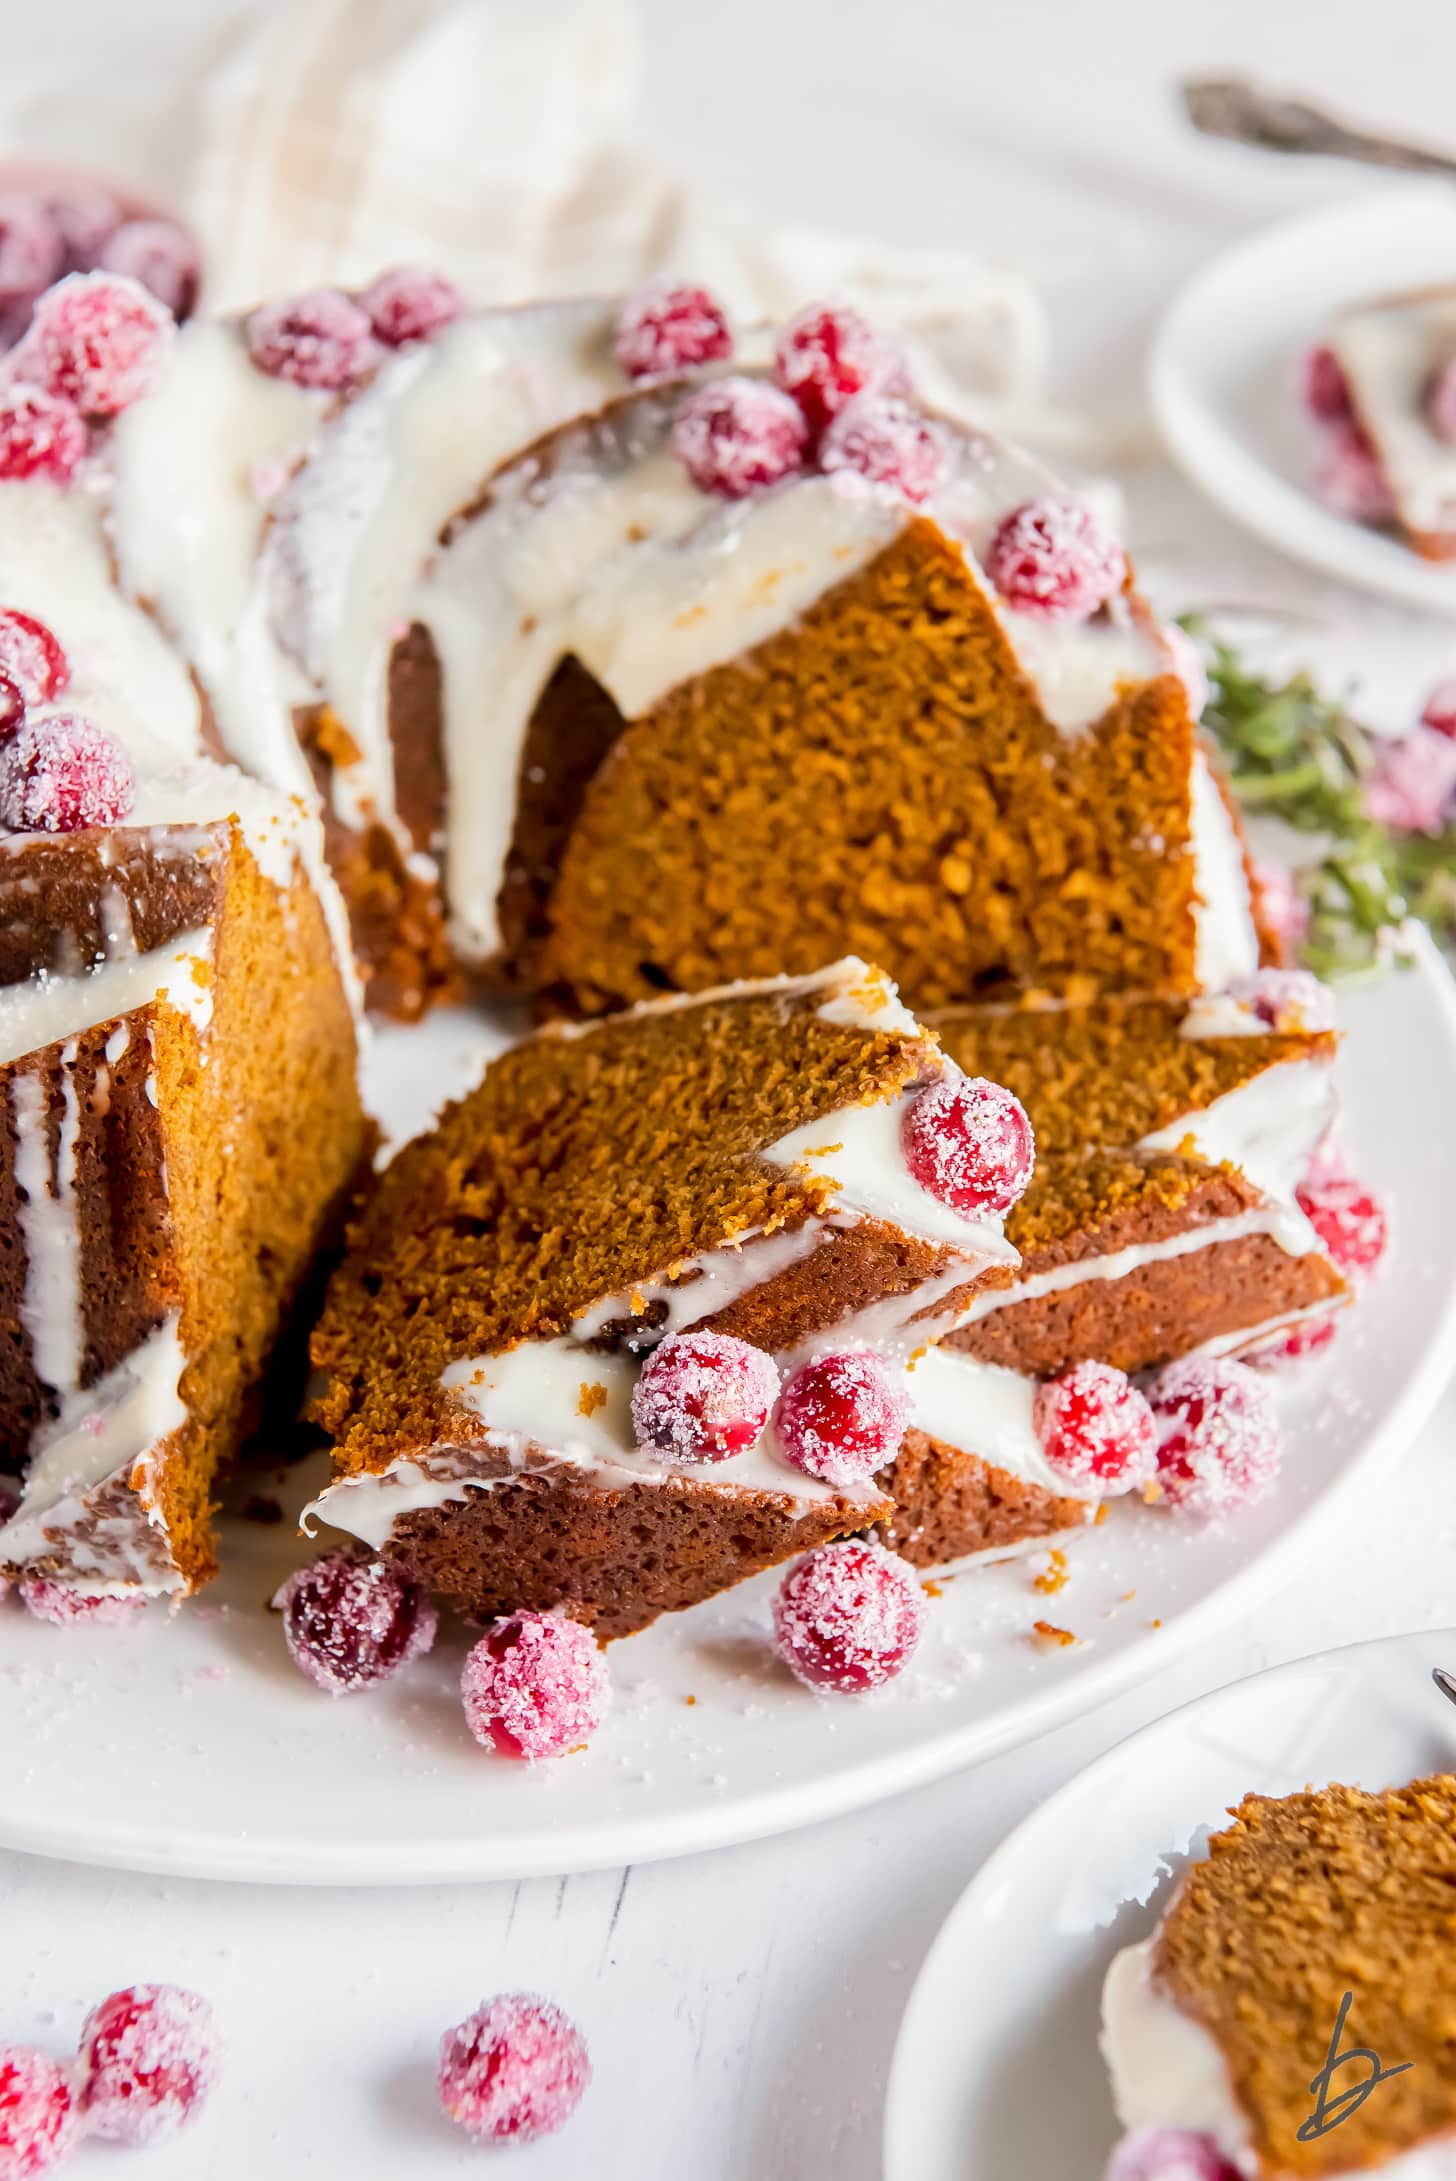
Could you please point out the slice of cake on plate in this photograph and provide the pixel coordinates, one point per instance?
(764, 1168)
(1291, 2015)
(1382, 390)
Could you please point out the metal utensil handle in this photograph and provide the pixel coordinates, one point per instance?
(1236, 108)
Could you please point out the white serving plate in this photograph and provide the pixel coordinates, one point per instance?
(1223, 375)
(189, 1744)
(1007, 2004)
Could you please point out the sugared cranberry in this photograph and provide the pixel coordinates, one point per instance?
(848, 1616)
(1350, 1221)
(60, 773)
(1325, 388)
(1219, 1441)
(1052, 558)
(1348, 478)
(1440, 708)
(159, 254)
(350, 1623)
(887, 442)
(41, 434)
(1187, 663)
(98, 339)
(829, 355)
(735, 435)
(535, 1686)
(1413, 786)
(969, 1142)
(318, 339)
(703, 1396)
(1168, 2154)
(1284, 908)
(1286, 999)
(38, 2124)
(667, 328)
(31, 656)
(840, 1418)
(12, 705)
(32, 251)
(1097, 1430)
(1297, 1342)
(149, 2056)
(1441, 402)
(66, 1607)
(408, 304)
(515, 2069)
(86, 215)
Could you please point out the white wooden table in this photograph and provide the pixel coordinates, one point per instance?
(742, 2007)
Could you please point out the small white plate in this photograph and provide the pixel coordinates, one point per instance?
(1223, 375)
(997, 2069)
(190, 1745)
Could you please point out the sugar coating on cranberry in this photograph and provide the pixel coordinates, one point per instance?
(41, 434)
(671, 327)
(1168, 2154)
(840, 1417)
(515, 2069)
(1053, 559)
(98, 339)
(32, 249)
(889, 443)
(60, 773)
(66, 1607)
(1440, 708)
(86, 216)
(969, 1142)
(1348, 478)
(1325, 388)
(406, 303)
(1350, 1221)
(1219, 1437)
(1097, 1430)
(736, 435)
(848, 1616)
(535, 1686)
(1286, 999)
(1283, 906)
(350, 1623)
(149, 2056)
(12, 705)
(161, 256)
(318, 339)
(1413, 786)
(829, 355)
(703, 1396)
(38, 2122)
(31, 656)
(1295, 1344)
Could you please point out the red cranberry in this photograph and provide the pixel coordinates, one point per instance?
(1168, 2154)
(41, 434)
(318, 339)
(886, 441)
(12, 705)
(848, 1616)
(1310, 1337)
(37, 2113)
(149, 2057)
(161, 256)
(407, 304)
(734, 435)
(1413, 786)
(1441, 402)
(65, 1607)
(1052, 558)
(663, 329)
(1097, 1430)
(1219, 1440)
(1440, 712)
(515, 2069)
(97, 339)
(1350, 1221)
(60, 773)
(1326, 389)
(350, 1623)
(840, 1418)
(86, 216)
(32, 251)
(1286, 999)
(1283, 906)
(828, 355)
(703, 1396)
(969, 1142)
(535, 1686)
(31, 656)
(1348, 479)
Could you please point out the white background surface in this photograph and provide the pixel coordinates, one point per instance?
(742, 2007)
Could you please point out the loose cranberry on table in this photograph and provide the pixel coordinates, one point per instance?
(41, 434)
(1325, 388)
(31, 656)
(1052, 558)
(535, 1686)
(848, 1617)
(96, 339)
(969, 1142)
(149, 2057)
(350, 1623)
(1350, 1221)
(1219, 1436)
(887, 442)
(515, 2069)
(1097, 1431)
(669, 328)
(735, 435)
(408, 304)
(840, 1418)
(60, 773)
(829, 355)
(66, 1607)
(1348, 478)
(1168, 2154)
(320, 339)
(703, 1397)
(38, 2121)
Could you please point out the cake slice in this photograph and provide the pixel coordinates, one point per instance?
(734, 1164)
(1319, 1925)
(1383, 391)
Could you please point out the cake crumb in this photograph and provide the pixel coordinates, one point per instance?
(593, 1397)
(1047, 1632)
(1054, 1575)
(932, 1589)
